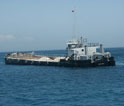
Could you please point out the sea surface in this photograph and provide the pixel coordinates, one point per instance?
(62, 86)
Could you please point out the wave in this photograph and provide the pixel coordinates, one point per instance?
(120, 63)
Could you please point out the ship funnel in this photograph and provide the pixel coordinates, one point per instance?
(86, 50)
(101, 48)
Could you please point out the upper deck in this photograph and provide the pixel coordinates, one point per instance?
(80, 43)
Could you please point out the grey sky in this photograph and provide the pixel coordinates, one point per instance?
(47, 24)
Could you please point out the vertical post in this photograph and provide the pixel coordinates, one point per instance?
(74, 24)
(86, 50)
(101, 48)
(81, 41)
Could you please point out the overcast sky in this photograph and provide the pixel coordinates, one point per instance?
(47, 24)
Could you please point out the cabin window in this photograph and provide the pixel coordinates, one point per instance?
(73, 46)
(82, 50)
(69, 46)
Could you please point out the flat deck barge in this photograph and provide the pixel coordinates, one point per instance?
(79, 54)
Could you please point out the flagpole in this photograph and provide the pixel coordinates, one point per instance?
(74, 25)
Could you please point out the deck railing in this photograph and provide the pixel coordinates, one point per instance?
(93, 44)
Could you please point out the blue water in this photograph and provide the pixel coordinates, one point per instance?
(61, 86)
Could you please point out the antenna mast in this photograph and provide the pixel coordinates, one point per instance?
(74, 24)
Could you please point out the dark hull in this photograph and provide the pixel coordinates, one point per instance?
(69, 63)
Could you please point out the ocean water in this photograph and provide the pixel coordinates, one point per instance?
(61, 86)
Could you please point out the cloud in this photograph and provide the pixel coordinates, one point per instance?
(10, 37)
(7, 37)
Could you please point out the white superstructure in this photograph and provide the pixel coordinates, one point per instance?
(81, 50)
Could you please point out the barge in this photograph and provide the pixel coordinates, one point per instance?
(80, 53)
